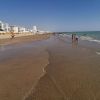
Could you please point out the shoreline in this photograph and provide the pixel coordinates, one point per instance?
(67, 73)
(8, 35)
(94, 46)
(21, 72)
(25, 38)
(69, 68)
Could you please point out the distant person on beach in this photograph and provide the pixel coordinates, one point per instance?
(12, 35)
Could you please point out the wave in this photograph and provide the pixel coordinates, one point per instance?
(65, 35)
(98, 53)
(89, 39)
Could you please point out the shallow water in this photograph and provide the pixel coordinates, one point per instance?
(73, 73)
(21, 66)
(72, 70)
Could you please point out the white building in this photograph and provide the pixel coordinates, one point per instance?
(7, 28)
(35, 29)
(4, 26)
(1, 25)
(14, 29)
(22, 30)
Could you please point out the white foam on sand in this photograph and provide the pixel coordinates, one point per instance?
(89, 39)
(98, 53)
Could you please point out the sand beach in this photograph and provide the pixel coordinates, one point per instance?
(49, 68)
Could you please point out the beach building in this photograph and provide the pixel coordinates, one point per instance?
(1, 25)
(27, 30)
(22, 30)
(35, 29)
(6, 27)
(14, 29)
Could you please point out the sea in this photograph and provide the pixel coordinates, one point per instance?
(92, 37)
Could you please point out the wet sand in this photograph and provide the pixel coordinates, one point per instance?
(24, 39)
(21, 66)
(68, 71)
(73, 73)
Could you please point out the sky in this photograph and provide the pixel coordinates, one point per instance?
(52, 15)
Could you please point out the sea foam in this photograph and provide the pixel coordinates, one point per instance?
(98, 53)
(89, 39)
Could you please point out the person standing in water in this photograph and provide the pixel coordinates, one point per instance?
(73, 37)
(74, 40)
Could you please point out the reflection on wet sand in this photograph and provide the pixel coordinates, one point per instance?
(67, 73)
(72, 74)
(74, 44)
(21, 65)
(46, 89)
(2, 47)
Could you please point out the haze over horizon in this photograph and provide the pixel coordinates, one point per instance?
(53, 15)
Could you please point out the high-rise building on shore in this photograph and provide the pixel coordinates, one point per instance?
(22, 30)
(35, 29)
(6, 28)
(14, 29)
(1, 25)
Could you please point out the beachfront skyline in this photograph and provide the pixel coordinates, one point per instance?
(53, 15)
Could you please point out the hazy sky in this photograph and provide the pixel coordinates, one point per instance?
(52, 15)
